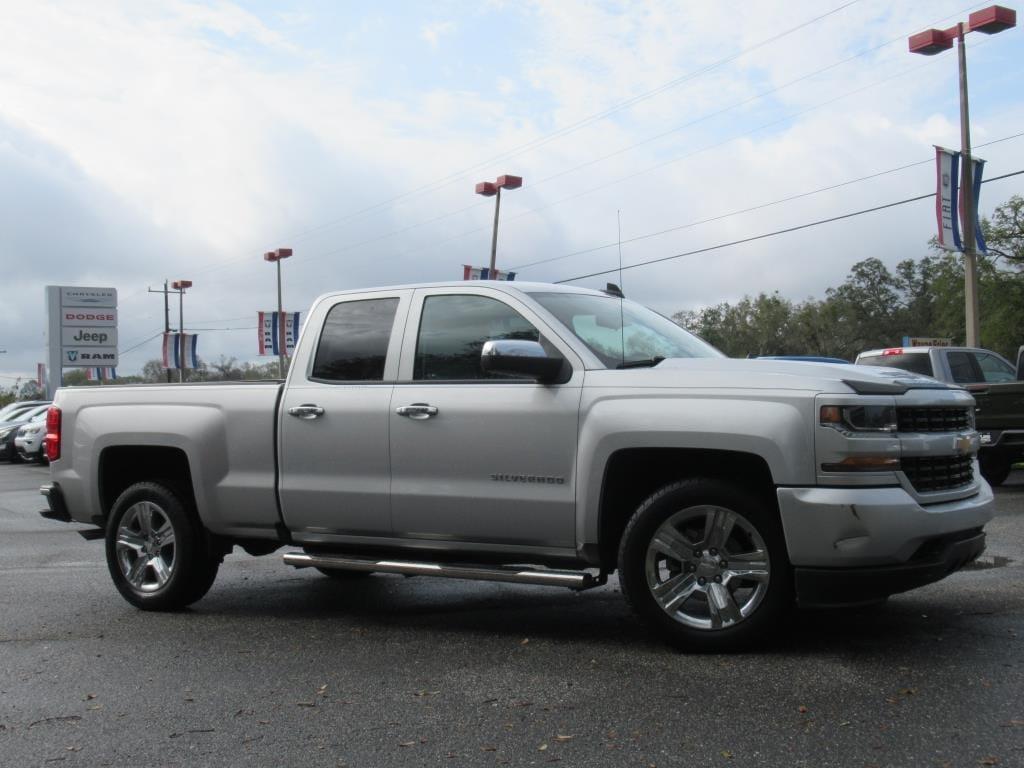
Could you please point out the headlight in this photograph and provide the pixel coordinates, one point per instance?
(860, 418)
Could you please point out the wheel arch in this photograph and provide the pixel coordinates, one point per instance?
(122, 466)
(631, 475)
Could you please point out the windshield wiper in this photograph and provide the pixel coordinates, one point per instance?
(649, 362)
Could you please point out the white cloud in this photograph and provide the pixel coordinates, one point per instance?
(182, 140)
(434, 31)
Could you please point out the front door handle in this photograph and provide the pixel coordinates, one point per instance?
(417, 410)
(306, 411)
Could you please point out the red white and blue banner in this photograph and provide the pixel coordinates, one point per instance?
(269, 327)
(484, 273)
(978, 166)
(172, 351)
(101, 374)
(950, 211)
(947, 198)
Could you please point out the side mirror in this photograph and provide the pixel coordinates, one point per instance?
(522, 358)
(1020, 363)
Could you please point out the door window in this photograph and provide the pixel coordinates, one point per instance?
(453, 330)
(354, 342)
(993, 369)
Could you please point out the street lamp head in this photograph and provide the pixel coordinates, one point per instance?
(486, 188)
(508, 181)
(280, 253)
(930, 42)
(180, 285)
(993, 19)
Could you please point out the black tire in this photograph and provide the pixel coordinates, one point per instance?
(186, 568)
(754, 602)
(994, 468)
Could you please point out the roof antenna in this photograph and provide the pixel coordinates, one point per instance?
(622, 296)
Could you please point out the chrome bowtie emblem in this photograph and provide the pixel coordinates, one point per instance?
(963, 444)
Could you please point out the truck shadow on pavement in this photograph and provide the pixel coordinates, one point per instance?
(944, 616)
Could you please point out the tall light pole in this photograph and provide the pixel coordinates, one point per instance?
(282, 345)
(493, 188)
(990, 20)
(180, 286)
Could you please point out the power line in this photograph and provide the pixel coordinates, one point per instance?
(369, 241)
(777, 232)
(522, 149)
(752, 208)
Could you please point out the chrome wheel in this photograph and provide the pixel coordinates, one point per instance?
(707, 567)
(145, 547)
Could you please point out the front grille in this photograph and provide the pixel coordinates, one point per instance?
(932, 419)
(938, 474)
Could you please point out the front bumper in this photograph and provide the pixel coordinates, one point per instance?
(850, 545)
(935, 560)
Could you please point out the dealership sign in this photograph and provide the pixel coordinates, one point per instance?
(82, 329)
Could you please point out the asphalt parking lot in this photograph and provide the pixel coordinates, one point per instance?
(282, 667)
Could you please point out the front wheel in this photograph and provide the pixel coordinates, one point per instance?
(705, 564)
(157, 552)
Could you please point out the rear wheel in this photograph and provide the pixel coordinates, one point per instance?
(157, 552)
(705, 564)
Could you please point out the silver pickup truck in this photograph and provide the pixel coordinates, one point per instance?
(538, 434)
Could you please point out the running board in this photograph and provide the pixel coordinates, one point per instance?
(571, 579)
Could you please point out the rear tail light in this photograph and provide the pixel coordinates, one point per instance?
(52, 442)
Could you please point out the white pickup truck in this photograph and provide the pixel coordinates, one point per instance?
(538, 434)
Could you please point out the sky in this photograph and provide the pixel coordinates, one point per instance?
(181, 140)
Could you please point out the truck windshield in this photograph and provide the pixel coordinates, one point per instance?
(622, 332)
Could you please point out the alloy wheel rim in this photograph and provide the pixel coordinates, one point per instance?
(145, 547)
(707, 567)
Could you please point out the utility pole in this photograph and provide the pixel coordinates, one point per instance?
(167, 317)
(970, 217)
(989, 21)
(282, 338)
(179, 287)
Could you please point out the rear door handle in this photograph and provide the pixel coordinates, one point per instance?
(306, 411)
(417, 410)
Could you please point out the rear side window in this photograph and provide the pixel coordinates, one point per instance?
(354, 343)
(961, 366)
(914, 362)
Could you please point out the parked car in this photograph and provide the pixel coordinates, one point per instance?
(997, 386)
(9, 431)
(538, 434)
(11, 410)
(29, 440)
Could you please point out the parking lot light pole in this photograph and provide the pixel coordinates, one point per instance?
(493, 189)
(282, 345)
(989, 20)
(180, 286)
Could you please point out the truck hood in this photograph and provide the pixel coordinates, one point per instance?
(728, 373)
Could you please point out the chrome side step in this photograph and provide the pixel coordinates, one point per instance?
(571, 579)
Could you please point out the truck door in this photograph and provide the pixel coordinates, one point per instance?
(476, 458)
(333, 440)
